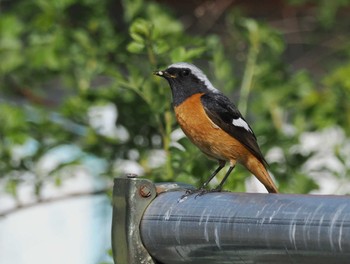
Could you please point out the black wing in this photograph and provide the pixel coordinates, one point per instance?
(226, 116)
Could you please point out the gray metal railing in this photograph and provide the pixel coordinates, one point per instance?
(153, 224)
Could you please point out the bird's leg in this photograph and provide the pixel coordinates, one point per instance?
(221, 165)
(202, 190)
(219, 187)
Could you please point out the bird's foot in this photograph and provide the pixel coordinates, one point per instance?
(199, 192)
(217, 189)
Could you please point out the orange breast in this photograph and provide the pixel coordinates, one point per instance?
(211, 139)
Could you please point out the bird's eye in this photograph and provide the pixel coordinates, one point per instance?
(185, 72)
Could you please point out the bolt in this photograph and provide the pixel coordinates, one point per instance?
(131, 175)
(145, 191)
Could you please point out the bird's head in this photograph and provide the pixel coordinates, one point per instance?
(185, 80)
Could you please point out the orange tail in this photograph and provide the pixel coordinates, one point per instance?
(260, 172)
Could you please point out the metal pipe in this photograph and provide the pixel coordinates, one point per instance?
(247, 228)
(131, 196)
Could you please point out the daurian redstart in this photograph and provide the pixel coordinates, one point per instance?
(214, 124)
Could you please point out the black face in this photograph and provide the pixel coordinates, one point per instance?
(183, 84)
(179, 72)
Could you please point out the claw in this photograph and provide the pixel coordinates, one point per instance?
(199, 192)
(217, 189)
(193, 191)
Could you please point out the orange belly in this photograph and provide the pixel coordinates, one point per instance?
(210, 138)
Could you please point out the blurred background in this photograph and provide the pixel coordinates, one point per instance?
(79, 106)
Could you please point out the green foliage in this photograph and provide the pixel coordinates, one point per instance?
(61, 59)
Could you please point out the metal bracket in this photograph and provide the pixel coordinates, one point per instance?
(131, 196)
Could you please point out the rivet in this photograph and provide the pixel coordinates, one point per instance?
(145, 191)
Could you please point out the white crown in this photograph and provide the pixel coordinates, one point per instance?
(195, 71)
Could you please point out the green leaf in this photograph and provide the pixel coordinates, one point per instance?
(181, 54)
(140, 29)
(10, 27)
(161, 46)
(132, 8)
(135, 47)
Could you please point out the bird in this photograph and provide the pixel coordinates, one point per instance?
(214, 124)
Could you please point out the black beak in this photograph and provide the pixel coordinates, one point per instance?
(164, 74)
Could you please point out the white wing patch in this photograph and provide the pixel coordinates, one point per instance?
(197, 72)
(241, 123)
